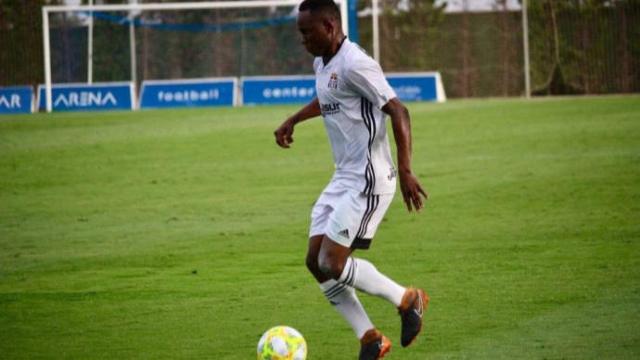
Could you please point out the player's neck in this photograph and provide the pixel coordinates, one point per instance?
(334, 49)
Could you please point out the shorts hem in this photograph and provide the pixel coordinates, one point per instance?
(316, 234)
(361, 244)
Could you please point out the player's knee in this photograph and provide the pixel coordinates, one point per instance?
(330, 267)
(312, 263)
(324, 265)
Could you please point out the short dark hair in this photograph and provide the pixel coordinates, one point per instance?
(321, 6)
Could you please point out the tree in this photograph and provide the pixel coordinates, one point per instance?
(21, 58)
(415, 22)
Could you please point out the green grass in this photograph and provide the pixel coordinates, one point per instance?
(182, 234)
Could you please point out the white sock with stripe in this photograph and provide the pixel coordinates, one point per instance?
(363, 276)
(345, 300)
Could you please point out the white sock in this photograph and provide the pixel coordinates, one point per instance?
(344, 299)
(363, 276)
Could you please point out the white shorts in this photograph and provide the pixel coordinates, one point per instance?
(348, 217)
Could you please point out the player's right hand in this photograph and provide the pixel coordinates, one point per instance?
(284, 134)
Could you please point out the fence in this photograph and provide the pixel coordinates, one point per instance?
(576, 46)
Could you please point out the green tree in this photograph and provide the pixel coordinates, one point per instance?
(21, 33)
(583, 46)
(418, 24)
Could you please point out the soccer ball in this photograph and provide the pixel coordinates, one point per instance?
(282, 343)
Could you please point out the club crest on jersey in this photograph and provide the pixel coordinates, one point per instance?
(333, 81)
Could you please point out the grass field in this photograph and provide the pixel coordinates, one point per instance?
(182, 234)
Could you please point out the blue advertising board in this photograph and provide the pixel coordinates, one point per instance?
(259, 90)
(417, 86)
(16, 100)
(88, 97)
(188, 93)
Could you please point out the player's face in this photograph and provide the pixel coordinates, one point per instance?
(315, 37)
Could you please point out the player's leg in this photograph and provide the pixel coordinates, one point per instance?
(319, 219)
(352, 225)
(331, 261)
(312, 258)
(342, 297)
(335, 261)
(362, 274)
(332, 257)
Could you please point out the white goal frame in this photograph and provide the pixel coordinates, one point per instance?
(224, 4)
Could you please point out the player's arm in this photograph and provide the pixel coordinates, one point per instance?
(409, 184)
(284, 134)
(367, 79)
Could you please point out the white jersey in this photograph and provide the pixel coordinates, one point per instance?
(351, 90)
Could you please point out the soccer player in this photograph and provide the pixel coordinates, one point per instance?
(354, 98)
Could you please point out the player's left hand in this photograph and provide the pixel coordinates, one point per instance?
(412, 191)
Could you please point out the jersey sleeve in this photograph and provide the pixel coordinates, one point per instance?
(367, 79)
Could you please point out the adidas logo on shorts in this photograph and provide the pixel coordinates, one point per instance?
(344, 233)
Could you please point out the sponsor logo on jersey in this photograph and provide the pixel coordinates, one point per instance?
(333, 81)
(330, 109)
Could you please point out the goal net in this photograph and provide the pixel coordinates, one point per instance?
(179, 40)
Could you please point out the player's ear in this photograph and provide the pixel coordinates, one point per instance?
(328, 25)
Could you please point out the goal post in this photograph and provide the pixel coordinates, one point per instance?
(47, 11)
